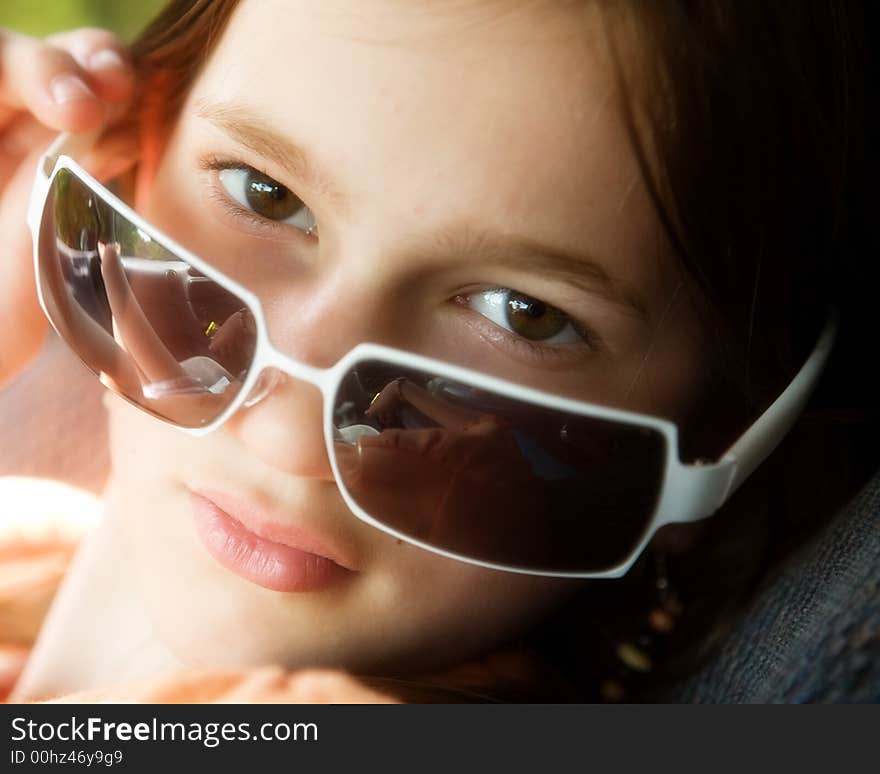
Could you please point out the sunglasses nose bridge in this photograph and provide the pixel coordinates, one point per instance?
(277, 369)
(319, 377)
(266, 382)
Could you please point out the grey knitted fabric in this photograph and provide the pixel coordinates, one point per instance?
(812, 634)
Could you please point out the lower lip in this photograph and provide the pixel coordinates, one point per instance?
(264, 562)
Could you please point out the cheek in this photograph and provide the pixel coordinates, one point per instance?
(140, 446)
(140, 482)
(124, 427)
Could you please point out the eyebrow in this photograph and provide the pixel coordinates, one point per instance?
(583, 273)
(242, 124)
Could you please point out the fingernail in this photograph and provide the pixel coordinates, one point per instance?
(68, 87)
(107, 59)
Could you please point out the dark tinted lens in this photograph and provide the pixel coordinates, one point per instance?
(493, 478)
(151, 326)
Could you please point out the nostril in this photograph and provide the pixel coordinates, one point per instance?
(268, 380)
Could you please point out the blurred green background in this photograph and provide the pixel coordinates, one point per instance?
(43, 17)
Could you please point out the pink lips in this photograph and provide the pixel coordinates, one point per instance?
(276, 556)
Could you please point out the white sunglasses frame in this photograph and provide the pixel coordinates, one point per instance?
(688, 492)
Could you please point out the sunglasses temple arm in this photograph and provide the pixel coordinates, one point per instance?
(756, 444)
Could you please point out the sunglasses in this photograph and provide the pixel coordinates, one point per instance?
(464, 464)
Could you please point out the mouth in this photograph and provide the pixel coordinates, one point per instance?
(263, 549)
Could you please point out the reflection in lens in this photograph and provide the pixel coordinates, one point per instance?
(492, 478)
(153, 328)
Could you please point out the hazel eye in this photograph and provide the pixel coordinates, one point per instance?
(525, 316)
(267, 198)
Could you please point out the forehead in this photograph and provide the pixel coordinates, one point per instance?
(499, 113)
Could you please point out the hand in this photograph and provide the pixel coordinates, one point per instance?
(264, 685)
(76, 81)
(384, 405)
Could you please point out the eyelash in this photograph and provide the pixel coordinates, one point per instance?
(219, 195)
(517, 344)
(534, 350)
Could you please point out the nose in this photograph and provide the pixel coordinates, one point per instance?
(314, 324)
(282, 424)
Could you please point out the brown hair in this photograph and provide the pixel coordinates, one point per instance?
(747, 118)
(749, 121)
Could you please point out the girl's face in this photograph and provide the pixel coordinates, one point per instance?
(451, 156)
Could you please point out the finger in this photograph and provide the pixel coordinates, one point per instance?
(23, 135)
(138, 335)
(18, 140)
(229, 335)
(104, 57)
(88, 337)
(115, 154)
(48, 82)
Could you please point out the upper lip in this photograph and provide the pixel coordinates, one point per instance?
(276, 524)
